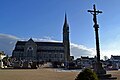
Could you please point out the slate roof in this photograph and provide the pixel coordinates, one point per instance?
(49, 43)
(116, 57)
(41, 43)
(84, 57)
(21, 42)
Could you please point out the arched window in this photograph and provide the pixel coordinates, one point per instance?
(29, 51)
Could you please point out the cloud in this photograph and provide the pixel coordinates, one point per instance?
(81, 50)
(46, 39)
(7, 43)
(110, 46)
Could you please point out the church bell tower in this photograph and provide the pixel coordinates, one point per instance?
(66, 42)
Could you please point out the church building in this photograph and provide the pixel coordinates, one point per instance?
(44, 51)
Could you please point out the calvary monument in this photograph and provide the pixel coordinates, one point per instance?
(100, 71)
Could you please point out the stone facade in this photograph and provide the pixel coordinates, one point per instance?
(40, 51)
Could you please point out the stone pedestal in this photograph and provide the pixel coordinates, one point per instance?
(101, 72)
(98, 68)
(106, 77)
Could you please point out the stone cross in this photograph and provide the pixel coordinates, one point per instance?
(101, 72)
(95, 12)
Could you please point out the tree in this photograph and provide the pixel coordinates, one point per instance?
(87, 74)
(105, 58)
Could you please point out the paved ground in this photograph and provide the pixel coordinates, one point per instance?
(115, 73)
(36, 74)
(42, 74)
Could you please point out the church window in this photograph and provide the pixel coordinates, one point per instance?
(44, 55)
(55, 55)
(29, 51)
(49, 55)
(61, 55)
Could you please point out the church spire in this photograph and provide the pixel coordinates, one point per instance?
(66, 39)
(65, 21)
(65, 29)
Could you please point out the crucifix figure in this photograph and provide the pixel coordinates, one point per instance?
(95, 12)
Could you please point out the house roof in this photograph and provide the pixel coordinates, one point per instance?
(116, 57)
(84, 57)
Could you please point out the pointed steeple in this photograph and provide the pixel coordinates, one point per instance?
(66, 39)
(65, 21)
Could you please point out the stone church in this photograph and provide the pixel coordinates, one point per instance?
(44, 51)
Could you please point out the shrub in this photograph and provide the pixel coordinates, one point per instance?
(87, 74)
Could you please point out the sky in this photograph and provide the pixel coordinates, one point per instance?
(43, 20)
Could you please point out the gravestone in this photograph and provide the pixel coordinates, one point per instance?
(25, 65)
(16, 65)
(34, 65)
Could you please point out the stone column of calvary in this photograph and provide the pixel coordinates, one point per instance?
(98, 65)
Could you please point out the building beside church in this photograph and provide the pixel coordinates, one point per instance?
(2, 55)
(115, 61)
(44, 51)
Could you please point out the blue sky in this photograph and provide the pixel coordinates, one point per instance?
(45, 18)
